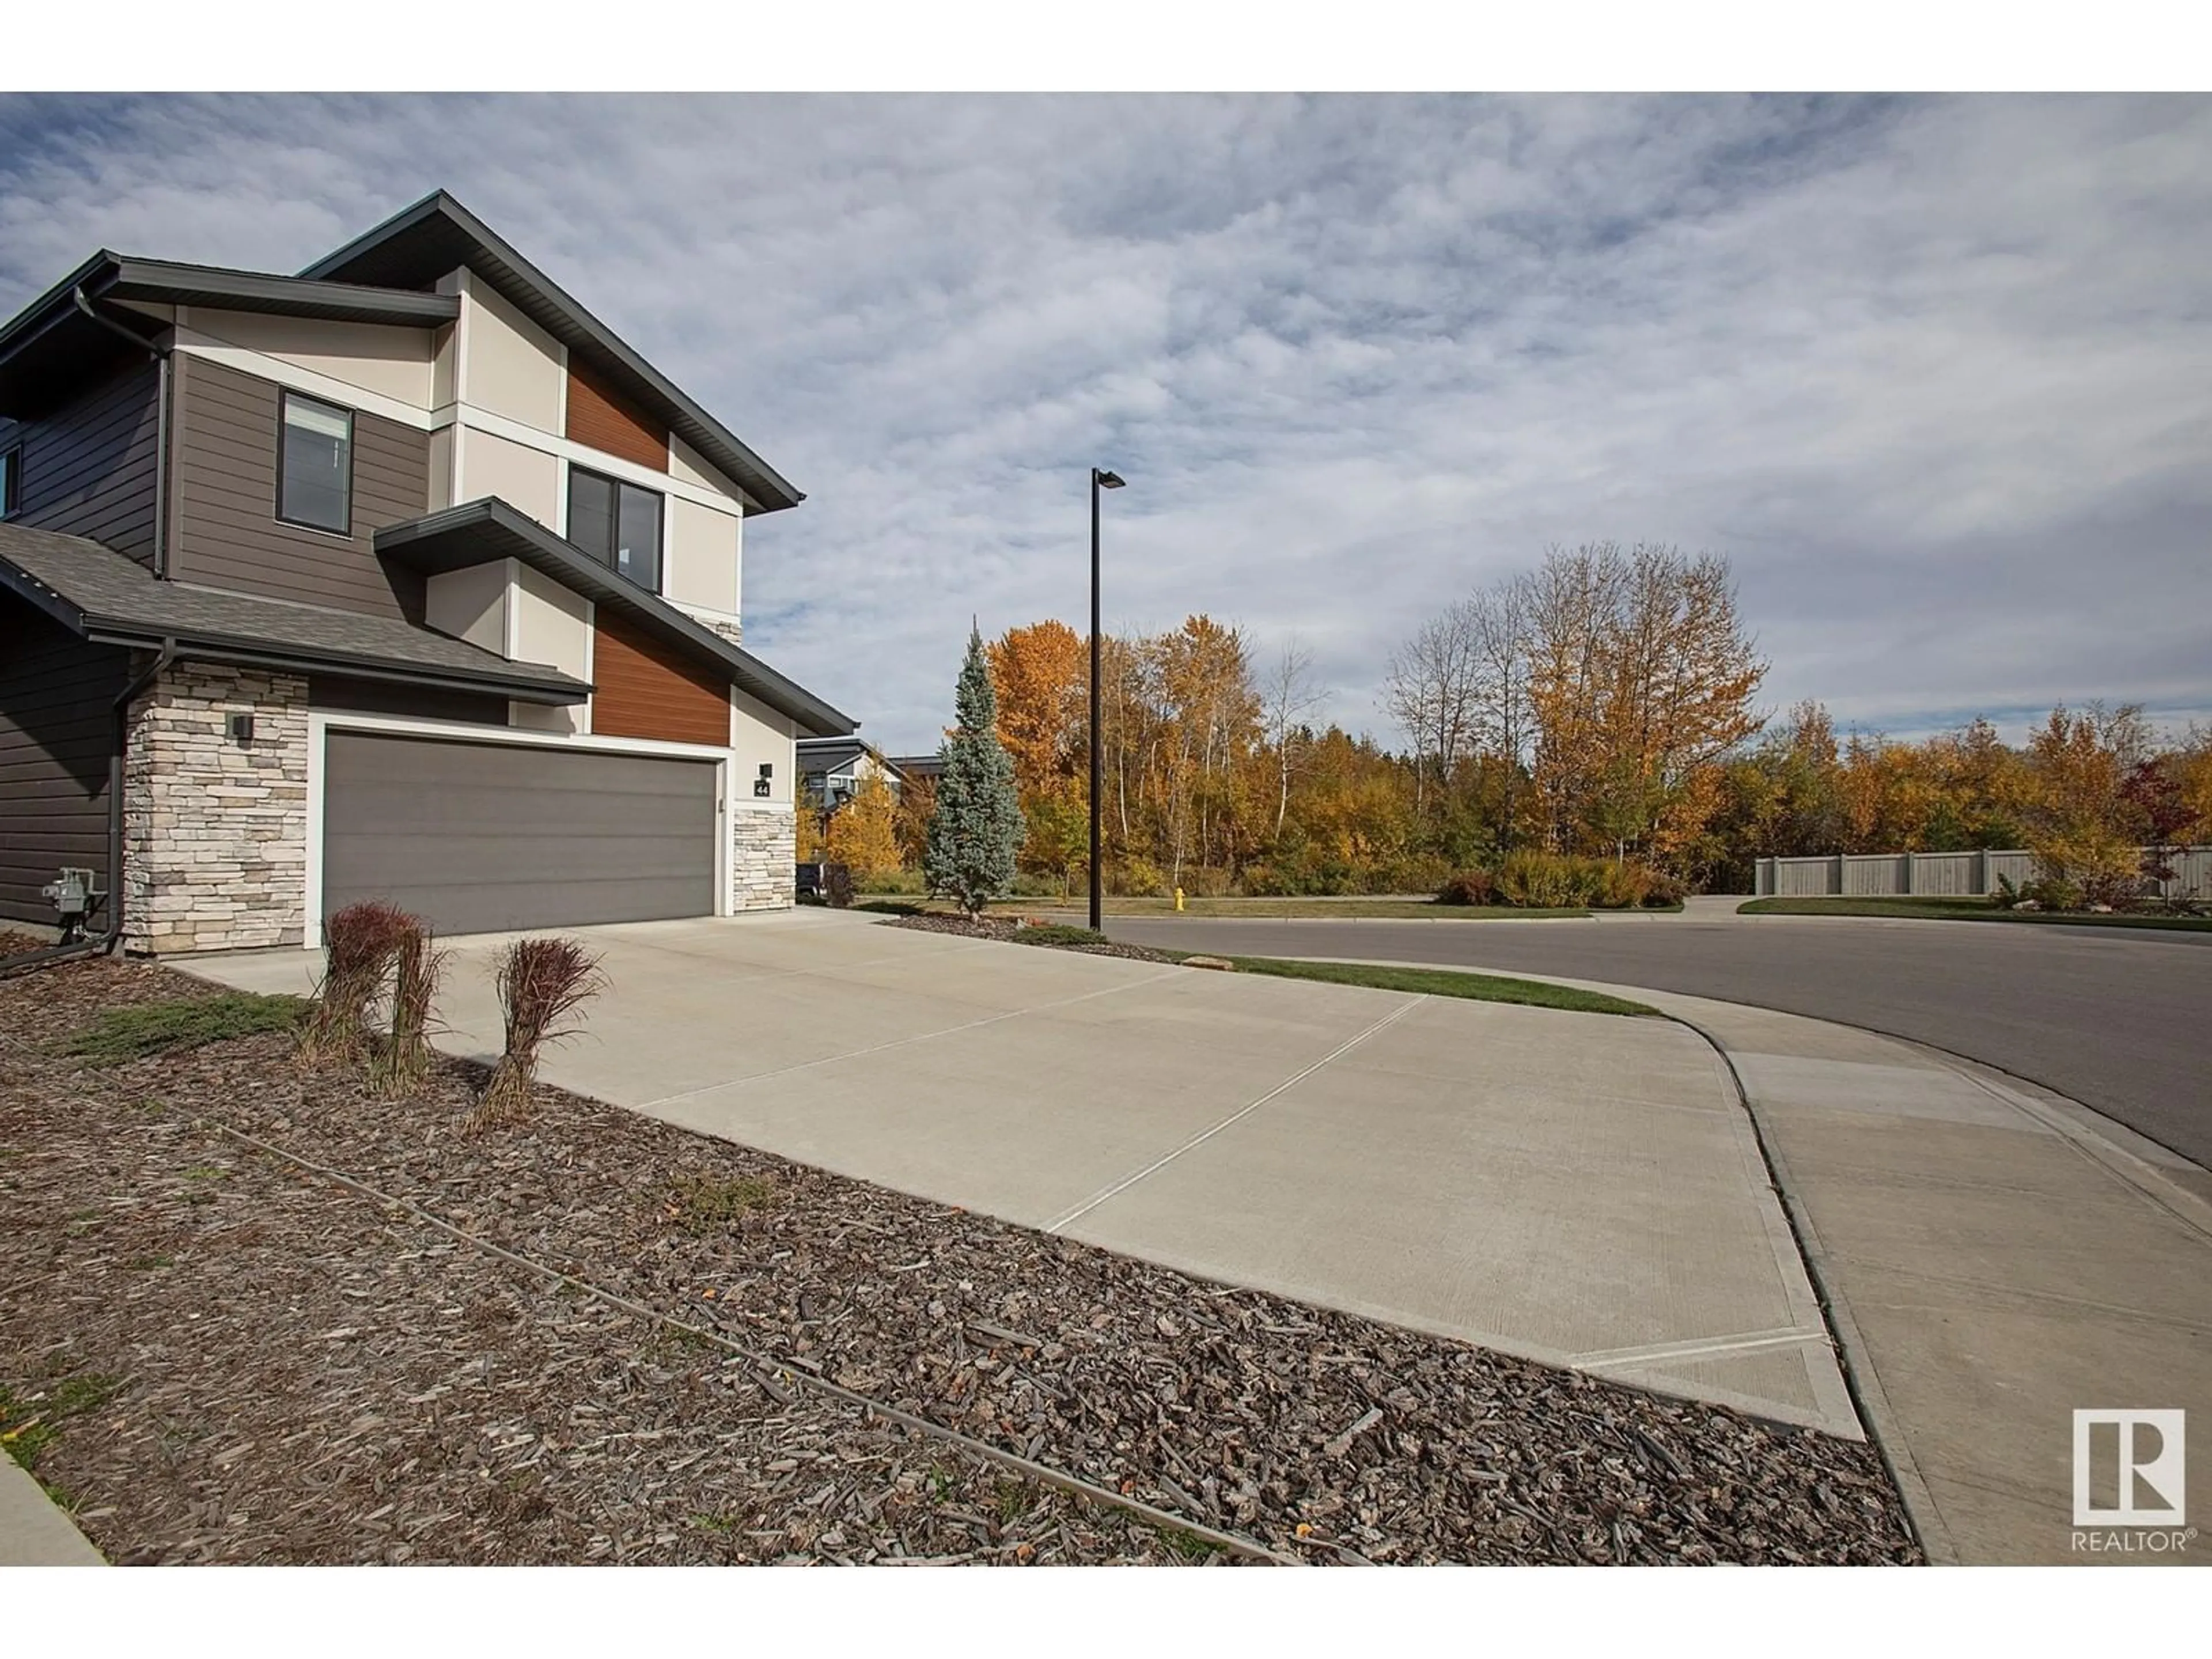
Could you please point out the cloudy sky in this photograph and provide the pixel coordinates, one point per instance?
(1935, 374)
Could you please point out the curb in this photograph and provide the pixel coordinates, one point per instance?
(1872, 1404)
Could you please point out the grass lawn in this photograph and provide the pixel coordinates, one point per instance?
(1958, 909)
(1445, 983)
(1271, 910)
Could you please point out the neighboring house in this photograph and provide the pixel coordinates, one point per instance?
(919, 767)
(402, 578)
(832, 769)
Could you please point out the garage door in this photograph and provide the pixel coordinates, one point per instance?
(477, 837)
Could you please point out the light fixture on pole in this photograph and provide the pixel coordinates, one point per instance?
(1099, 480)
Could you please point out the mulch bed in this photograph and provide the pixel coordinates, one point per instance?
(300, 1373)
(1011, 928)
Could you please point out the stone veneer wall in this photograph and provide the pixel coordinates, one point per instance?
(764, 850)
(214, 832)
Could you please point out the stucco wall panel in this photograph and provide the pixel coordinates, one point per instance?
(392, 363)
(700, 566)
(527, 480)
(514, 367)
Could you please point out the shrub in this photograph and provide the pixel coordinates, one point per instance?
(360, 943)
(892, 881)
(1418, 872)
(837, 884)
(1206, 881)
(399, 1064)
(1662, 889)
(153, 1027)
(1537, 880)
(2092, 867)
(1137, 879)
(542, 983)
(1469, 887)
(1058, 933)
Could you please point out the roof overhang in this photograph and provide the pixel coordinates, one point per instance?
(421, 244)
(475, 533)
(50, 349)
(523, 682)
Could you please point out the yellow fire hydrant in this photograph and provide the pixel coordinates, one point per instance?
(1178, 898)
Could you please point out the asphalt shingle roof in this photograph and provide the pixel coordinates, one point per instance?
(97, 591)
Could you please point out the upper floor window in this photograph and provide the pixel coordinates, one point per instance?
(617, 523)
(314, 468)
(11, 465)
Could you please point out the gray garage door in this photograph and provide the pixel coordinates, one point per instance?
(479, 837)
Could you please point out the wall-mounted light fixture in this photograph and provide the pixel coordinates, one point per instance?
(761, 785)
(241, 730)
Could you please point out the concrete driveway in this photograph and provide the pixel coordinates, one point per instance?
(1578, 1188)
(2113, 1017)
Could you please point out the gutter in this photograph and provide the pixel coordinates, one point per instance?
(163, 400)
(214, 648)
(104, 944)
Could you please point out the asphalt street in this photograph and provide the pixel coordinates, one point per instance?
(2118, 1019)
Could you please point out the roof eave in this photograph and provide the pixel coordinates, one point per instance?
(523, 536)
(553, 689)
(768, 491)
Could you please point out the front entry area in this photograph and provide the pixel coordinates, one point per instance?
(493, 837)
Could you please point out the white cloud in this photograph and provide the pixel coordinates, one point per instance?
(1934, 373)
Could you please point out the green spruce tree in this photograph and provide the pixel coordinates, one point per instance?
(978, 828)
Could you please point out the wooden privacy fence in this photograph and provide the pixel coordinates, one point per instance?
(1936, 875)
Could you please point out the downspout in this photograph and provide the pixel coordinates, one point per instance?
(104, 944)
(164, 397)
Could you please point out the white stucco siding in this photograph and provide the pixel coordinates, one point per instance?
(514, 367)
(527, 480)
(700, 568)
(551, 625)
(389, 361)
(685, 463)
(759, 735)
(470, 604)
(441, 468)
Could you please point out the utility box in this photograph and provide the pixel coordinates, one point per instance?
(74, 895)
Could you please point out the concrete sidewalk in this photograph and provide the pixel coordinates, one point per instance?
(33, 1531)
(1581, 1189)
(1994, 1258)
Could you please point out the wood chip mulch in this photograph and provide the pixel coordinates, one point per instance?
(269, 1367)
(1011, 928)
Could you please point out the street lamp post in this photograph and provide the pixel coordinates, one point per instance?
(1099, 480)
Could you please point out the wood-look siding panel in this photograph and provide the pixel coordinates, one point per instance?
(227, 534)
(603, 420)
(90, 468)
(57, 727)
(641, 689)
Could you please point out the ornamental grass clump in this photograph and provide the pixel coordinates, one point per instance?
(542, 982)
(360, 942)
(401, 1062)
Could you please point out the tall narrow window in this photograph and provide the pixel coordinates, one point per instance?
(617, 523)
(314, 470)
(11, 464)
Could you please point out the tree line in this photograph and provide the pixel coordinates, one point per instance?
(1602, 704)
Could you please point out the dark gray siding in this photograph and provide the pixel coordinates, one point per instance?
(89, 469)
(483, 837)
(421, 702)
(57, 726)
(226, 530)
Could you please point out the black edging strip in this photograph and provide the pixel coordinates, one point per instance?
(1235, 1543)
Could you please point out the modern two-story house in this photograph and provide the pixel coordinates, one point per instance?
(402, 578)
